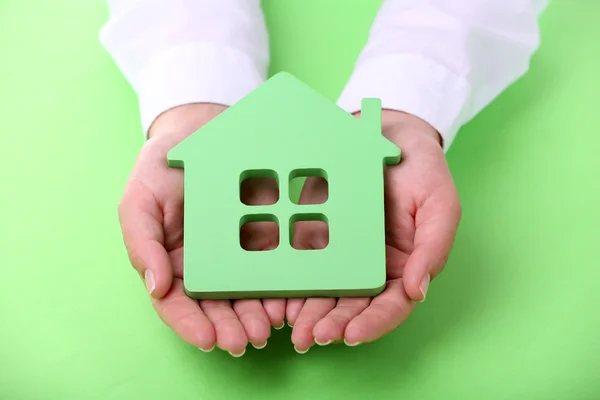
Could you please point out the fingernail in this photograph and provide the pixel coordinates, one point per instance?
(279, 327)
(258, 347)
(290, 324)
(238, 355)
(424, 286)
(323, 344)
(351, 344)
(207, 350)
(301, 351)
(150, 283)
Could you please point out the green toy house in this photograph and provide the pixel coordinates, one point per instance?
(283, 130)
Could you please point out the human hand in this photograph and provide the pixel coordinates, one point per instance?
(151, 216)
(422, 217)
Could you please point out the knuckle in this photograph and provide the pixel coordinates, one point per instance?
(121, 209)
(455, 204)
(379, 317)
(186, 320)
(246, 311)
(342, 318)
(135, 258)
(458, 210)
(225, 318)
(212, 305)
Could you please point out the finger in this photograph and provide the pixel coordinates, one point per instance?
(254, 320)
(436, 225)
(331, 328)
(308, 235)
(275, 309)
(231, 336)
(292, 310)
(313, 311)
(385, 313)
(141, 223)
(262, 236)
(259, 236)
(184, 316)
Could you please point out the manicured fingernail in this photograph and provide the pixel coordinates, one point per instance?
(150, 283)
(424, 286)
(280, 326)
(290, 324)
(323, 344)
(351, 344)
(258, 347)
(207, 350)
(300, 351)
(238, 355)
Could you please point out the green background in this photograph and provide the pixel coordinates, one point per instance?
(514, 316)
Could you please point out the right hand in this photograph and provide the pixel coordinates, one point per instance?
(151, 216)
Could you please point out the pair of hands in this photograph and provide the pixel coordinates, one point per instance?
(422, 216)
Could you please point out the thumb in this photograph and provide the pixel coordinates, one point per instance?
(312, 234)
(141, 224)
(436, 224)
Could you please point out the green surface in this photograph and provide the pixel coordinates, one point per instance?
(319, 139)
(514, 316)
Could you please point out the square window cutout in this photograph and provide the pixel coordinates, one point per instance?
(259, 187)
(309, 186)
(309, 231)
(259, 232)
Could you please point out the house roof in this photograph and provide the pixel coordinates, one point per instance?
(284, 112)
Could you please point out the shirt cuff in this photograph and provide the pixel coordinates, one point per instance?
(195, 73)
(412, 84)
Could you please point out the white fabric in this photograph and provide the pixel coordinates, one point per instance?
(441, 60)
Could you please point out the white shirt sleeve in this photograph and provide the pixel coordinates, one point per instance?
(187, 51)
(444, 60)
(441, 60)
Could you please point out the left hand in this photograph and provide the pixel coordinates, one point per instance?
(422, 216)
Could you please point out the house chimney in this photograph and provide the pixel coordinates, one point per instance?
(371, 112)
